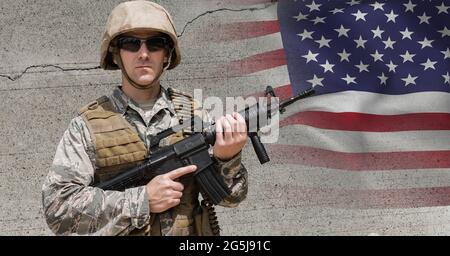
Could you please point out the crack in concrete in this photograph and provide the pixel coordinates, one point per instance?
(58, 87)
(225, 9)
(14, 78)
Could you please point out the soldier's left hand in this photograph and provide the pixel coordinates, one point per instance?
(231, 136)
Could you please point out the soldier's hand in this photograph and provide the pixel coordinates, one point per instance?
(231, 136)
(164, 192)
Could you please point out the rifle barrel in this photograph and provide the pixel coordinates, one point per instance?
(293, 99)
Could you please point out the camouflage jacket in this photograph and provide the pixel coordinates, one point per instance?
(71, 205)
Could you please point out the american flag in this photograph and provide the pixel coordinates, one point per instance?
(376, 133)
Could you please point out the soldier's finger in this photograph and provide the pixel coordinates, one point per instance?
(234, 125)
(242, 127)
(175, 174)
(177, 186)
(177, 194)
(174, 202)
(228, 130)
(219, 131)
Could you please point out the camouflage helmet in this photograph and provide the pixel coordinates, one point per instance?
(137, 15)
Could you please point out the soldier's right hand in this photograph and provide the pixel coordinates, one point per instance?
(163, 192)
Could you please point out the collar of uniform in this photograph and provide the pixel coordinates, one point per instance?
(122, 101)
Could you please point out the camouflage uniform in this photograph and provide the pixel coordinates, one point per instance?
(71, 205)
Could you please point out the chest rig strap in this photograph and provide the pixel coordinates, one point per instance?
(184, 109)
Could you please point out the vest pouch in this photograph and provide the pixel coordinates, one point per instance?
(183, 225)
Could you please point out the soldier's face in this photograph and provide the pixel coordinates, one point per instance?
(143, 66)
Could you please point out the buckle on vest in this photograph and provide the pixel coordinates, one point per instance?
(93, 105)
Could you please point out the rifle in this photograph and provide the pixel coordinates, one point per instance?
(193, 150)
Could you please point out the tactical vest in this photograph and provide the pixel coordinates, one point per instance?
(118, 146)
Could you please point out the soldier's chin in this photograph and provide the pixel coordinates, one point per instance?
(144, 81)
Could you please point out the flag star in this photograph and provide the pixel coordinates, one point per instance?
(349, 79)
(342, 31)
(429, 64)
(306, 34)
(383, 78)
(409, 6)
(323, 42)
(406, 34)
(391, 66)
(315, 81)
(424, 18)
(377, 56)
(301, 16)
(426, 43)
(443, 8)
(327, 67)
(389, 44)
(377, 5)
(344, 56)
(360, 42)
(319, 20)
(377, 32)
(447, 78)
(360, 15)
(310, 56)
(409, 80)
(407, 57)
(313, 6)
(353, 2)
(445, 32)
(362, 67)
(391, 16)
(446, 53)
(336, 10)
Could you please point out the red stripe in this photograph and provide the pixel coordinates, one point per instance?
(257, 63)
(244, 30)
(282, 92)
(350, 121)
(363, 199)
(295, 154)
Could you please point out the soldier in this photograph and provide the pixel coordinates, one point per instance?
(114, 132)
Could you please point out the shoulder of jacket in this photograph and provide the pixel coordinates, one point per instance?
(94, 105)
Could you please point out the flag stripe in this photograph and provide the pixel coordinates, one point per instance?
(246, 30)
(309, 156)
(367, 198)
(252, 46)
(371, 123)
(257, 63)
(282, 92)
(373, 103)
(326, 178)
(359, 142)
(257, 81)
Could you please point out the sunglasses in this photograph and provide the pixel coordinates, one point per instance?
(133, 44)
